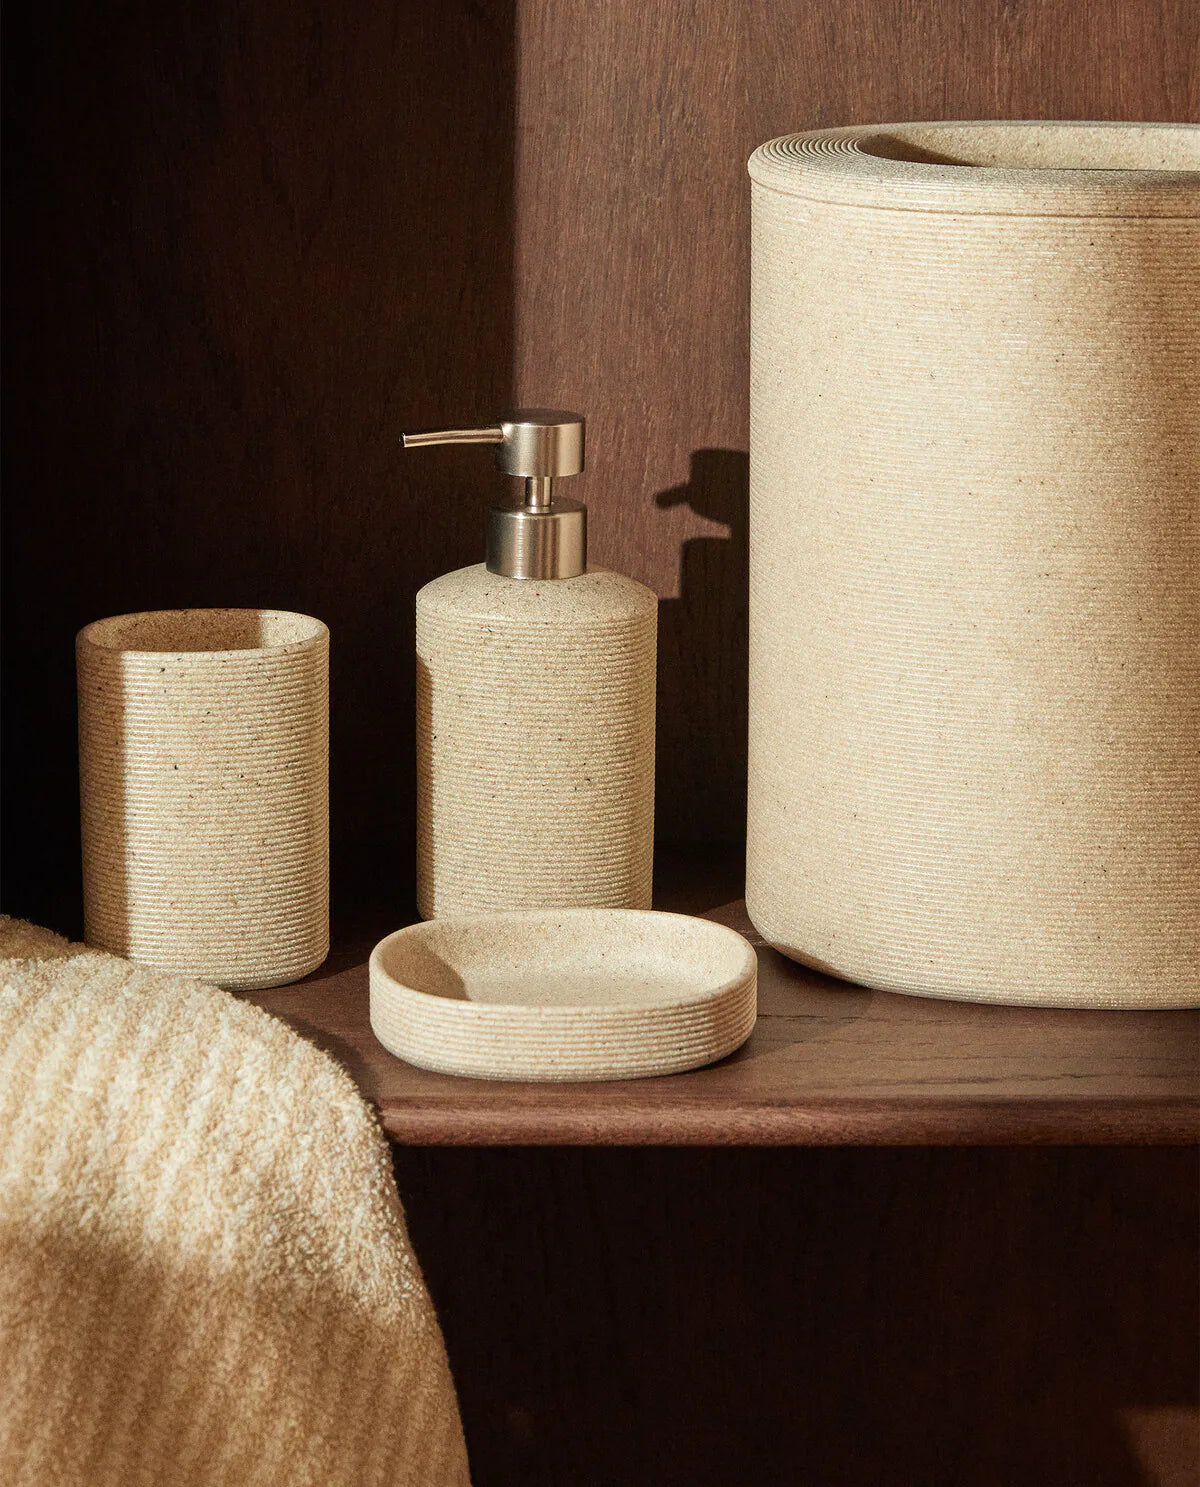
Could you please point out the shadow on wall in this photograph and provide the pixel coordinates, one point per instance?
(702, 668)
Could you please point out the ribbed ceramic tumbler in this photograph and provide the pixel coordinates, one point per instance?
(975, 581)
(204, 781)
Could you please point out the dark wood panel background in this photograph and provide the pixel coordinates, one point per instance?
(246, 242)
(816, 1318)
(632, 261)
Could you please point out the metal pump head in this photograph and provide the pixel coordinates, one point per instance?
(546, 536)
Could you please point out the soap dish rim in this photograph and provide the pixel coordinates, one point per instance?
(628, 1059)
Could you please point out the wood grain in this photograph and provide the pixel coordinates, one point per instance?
(247, 244)
(828, 1064)
(864, 1318)
(244, 243)
(871, 1316)
(632, 275)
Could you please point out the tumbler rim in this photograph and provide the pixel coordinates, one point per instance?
(127, 634)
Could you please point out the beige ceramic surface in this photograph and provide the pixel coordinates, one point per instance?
(204, 765)
(975, 609)
(535, 742)
(563, 994)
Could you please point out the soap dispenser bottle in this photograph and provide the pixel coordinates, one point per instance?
(535, 702)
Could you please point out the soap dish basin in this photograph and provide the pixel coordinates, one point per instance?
(563, 994)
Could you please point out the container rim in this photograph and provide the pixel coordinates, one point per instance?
(204, 632)
(1030, 167)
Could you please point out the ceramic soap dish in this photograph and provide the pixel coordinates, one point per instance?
(563, 994)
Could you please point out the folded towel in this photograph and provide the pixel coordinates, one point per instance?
(205, 1275)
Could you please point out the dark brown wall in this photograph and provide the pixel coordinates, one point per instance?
(247, 242)
(816, 1318)
(632, 262)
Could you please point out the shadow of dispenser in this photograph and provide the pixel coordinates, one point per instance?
(702, 640)
(535, 702)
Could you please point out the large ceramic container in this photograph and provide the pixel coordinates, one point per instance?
(975, 612)
(204, 776)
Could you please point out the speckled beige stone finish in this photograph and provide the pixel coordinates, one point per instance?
(535, 742)
(974, 608)
(564, 994)
(204, 778)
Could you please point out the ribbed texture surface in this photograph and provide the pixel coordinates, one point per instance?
(535, 743)
(975, 617)
(602, 995)
(205, 795)
(1019, 170)
(204, 1272)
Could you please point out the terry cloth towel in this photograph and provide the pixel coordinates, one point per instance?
(205, 1275)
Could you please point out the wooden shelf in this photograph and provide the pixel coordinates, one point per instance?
(828, 1064)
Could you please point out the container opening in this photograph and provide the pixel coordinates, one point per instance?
(1037, 146)
(193, 630)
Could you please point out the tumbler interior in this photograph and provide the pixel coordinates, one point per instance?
(181, 631)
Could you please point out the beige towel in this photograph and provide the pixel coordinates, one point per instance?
(204, 1270)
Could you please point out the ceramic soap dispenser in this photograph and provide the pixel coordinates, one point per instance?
(535, 702)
